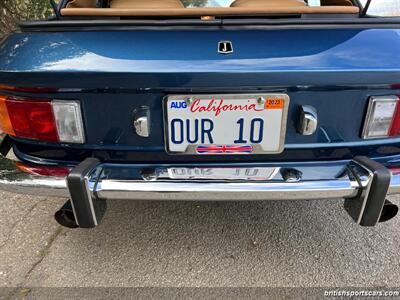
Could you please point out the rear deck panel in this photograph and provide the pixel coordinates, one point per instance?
(112, 73)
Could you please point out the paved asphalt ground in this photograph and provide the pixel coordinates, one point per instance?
(195, 244)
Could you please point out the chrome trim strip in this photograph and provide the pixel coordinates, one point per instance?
(90, 198)
(365, 183)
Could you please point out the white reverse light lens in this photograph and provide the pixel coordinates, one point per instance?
(380, 114)
(68, 116)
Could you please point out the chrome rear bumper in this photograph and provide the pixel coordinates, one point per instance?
(109, 182)
(220, 191)
(14, 180)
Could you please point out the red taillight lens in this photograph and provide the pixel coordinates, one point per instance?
(32, 119)
(395, 126)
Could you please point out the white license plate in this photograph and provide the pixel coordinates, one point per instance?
(226, 124)
(223, 173)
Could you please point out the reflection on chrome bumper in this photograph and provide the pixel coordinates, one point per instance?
(106, 181)
(12, 179)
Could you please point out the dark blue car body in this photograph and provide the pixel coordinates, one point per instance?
(335, 70)
(113, 70)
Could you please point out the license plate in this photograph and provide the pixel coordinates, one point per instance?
(223, 173)
(226, 124)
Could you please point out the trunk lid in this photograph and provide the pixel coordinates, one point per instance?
(114, 72)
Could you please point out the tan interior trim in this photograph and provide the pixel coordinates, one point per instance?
(139, 4)
(81, 3)
(209, 11)
(267, 3)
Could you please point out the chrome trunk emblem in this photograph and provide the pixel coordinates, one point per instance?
(225, 47)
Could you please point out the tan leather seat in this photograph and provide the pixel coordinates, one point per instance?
(268, 3)
(138, 4)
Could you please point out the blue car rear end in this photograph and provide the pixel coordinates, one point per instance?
(333, 66)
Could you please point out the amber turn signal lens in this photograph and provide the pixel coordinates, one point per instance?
(5, 122)
(44, 170)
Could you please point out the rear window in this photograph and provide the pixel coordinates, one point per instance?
(383, 8)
